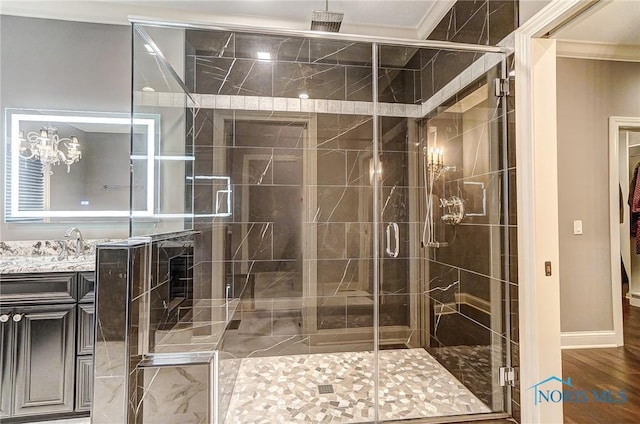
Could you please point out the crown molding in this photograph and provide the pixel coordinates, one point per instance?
(116, 13)
(598, 51)
(432, 18)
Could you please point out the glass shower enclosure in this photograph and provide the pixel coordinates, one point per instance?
(351, 198)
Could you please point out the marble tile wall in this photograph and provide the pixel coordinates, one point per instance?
(114, 383)
(231, 81)
(133, 303)
(227, 63)
(263, 156)
(170, 294)
(484, 22)
(481, 22)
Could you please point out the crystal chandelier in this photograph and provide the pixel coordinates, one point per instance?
(47, 147)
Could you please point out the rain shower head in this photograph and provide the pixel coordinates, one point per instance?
(323, 20)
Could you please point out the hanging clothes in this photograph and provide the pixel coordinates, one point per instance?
(634, 202)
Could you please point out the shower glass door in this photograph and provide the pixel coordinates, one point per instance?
(351, 203)
(444, 283)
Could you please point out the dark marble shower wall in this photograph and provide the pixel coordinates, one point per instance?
(228, 63)
(483, 22)
(480, 22)
(137, 301)
(473, 279)
(223, 63)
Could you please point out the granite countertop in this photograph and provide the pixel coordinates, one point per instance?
(31, 264)
(30, 256)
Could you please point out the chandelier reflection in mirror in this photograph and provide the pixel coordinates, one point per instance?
(47, 147)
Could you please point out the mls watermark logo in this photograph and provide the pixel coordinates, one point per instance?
(569, 394)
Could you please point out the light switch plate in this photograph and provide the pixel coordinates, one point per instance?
(577, 227)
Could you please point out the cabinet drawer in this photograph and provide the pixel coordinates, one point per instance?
(84, 383)
(86, 287)
(85, 329)
(38, 288)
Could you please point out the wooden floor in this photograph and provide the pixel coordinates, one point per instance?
(603, 369)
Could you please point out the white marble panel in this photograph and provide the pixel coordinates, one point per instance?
(179, 100)
(333, 106)
(252, 103)
(307, 105)
(175, 395)
(280, 104)
(109, 404)
(266, 103)
(237, 102)
(347, 108)
(361, 108)
(465, 77)
(208, 101)
(223, 102)
(385, 109)
(149, 98)
(321, 106)
(137, 97)
(414, 111)
(399, 109)
(165, 99)
(478, 68)
(197, 101)
(293, 105)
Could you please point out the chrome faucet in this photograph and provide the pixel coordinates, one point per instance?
(79, 239)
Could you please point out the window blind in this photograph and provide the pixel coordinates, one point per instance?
(31, 195)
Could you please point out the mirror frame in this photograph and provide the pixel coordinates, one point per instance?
(13, 118)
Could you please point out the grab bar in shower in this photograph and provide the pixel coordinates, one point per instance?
(396, 233)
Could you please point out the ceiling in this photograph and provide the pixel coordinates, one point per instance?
(413, 19)
(611, 22)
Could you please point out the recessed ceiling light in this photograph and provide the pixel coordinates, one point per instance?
(303, 96)
(147, 88)
(264, 55)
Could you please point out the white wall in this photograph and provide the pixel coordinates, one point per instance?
(589, 91)
(62, 65)
(528, 8)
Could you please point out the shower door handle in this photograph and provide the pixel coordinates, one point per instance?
(396, 235)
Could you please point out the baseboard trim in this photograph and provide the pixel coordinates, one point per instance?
(587, 339)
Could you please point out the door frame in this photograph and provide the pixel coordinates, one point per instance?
(617, 123)
(537, 197)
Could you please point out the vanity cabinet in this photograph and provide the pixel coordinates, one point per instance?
(42, 354)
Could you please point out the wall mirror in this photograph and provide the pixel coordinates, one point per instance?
(62, 164)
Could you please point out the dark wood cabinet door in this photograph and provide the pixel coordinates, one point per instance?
(85, 329)
(84, 383)
(86, 287)
(44, 360)
(6, 362)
